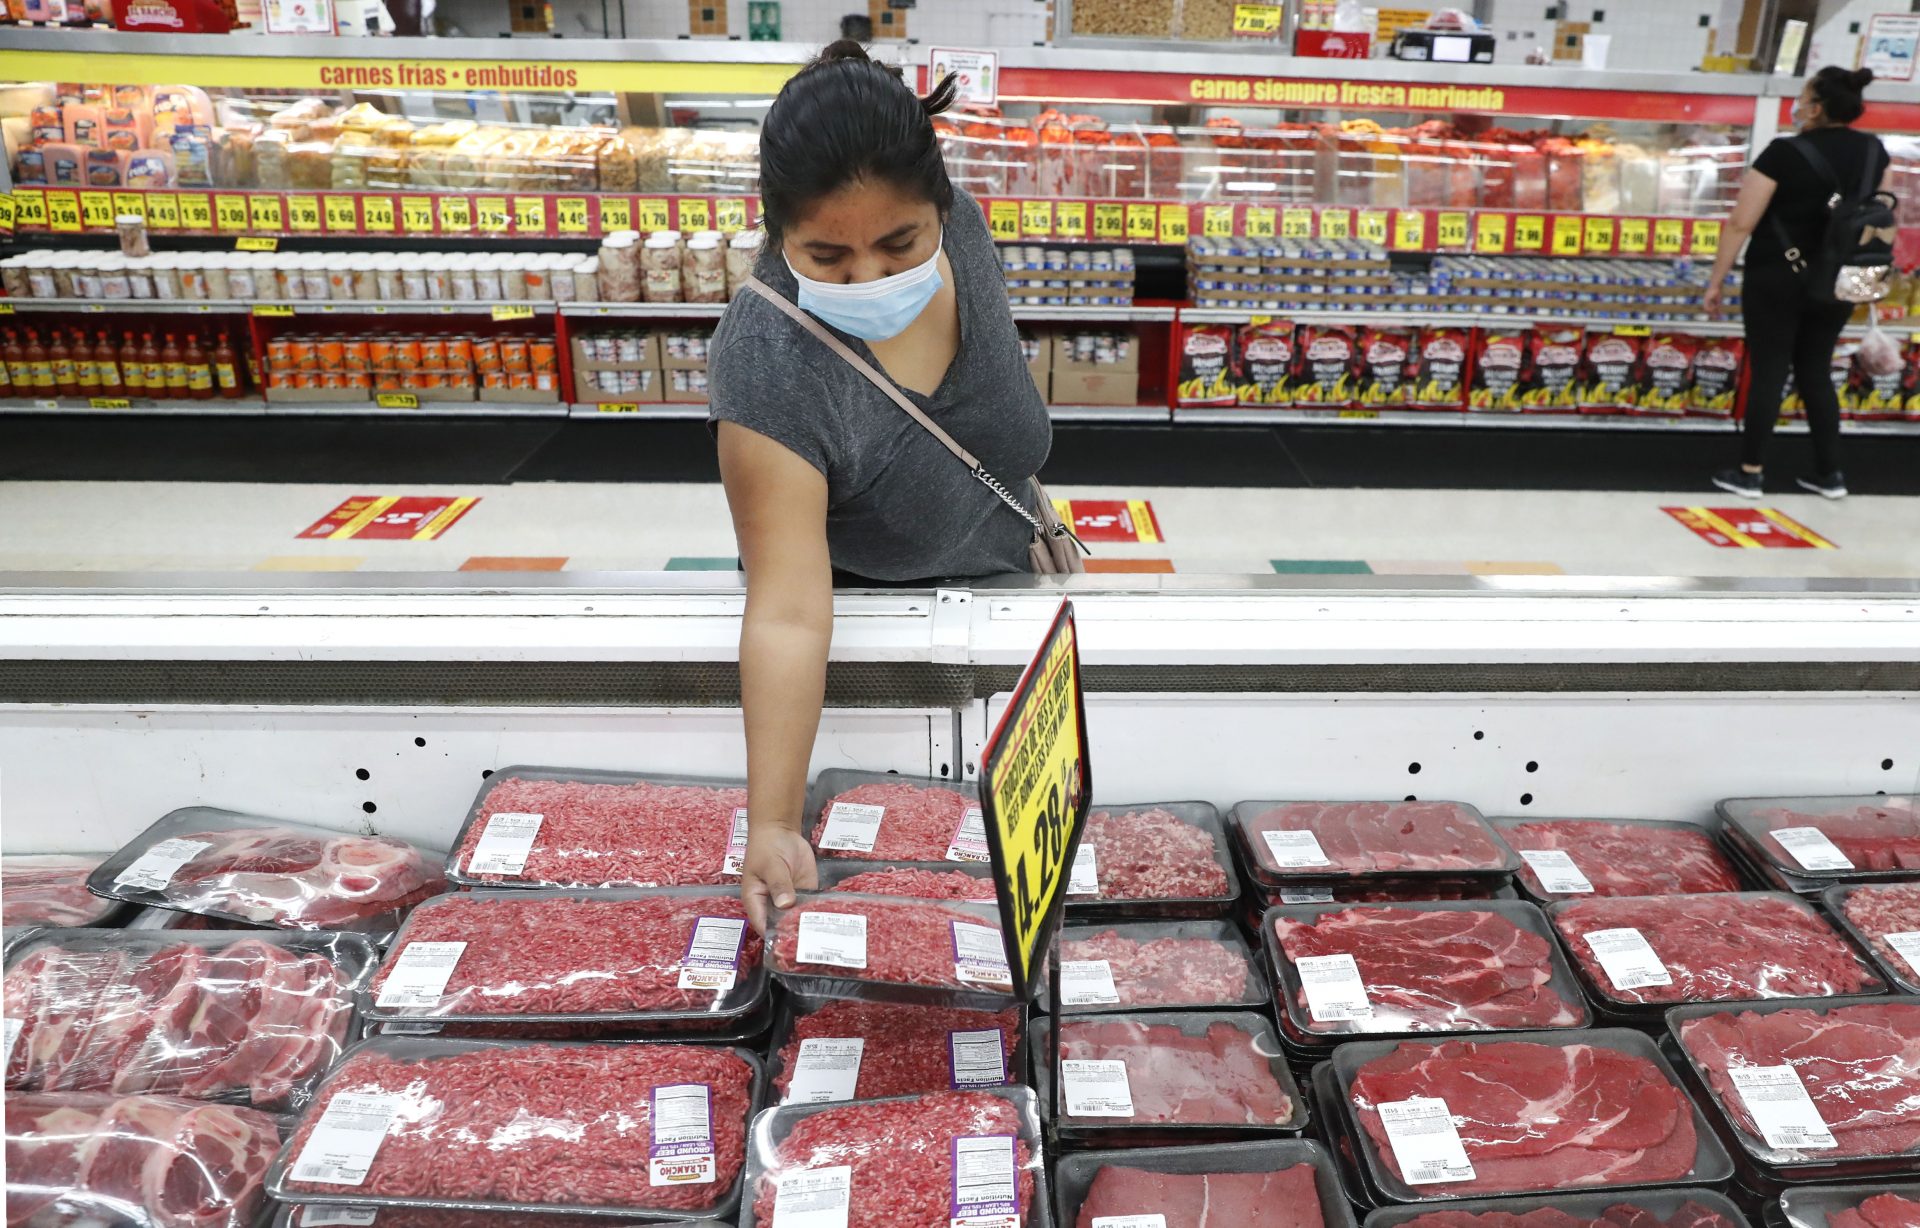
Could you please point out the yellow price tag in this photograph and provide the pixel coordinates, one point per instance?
(513, 311)
(6, 309)
(1598, 236)
(1071, 219)
(30, 207)
(695, 214)
(1257, 19)
(618, 407)
(1566, 236)
(231, 213)
(6, 211)
(493, 214)
(264, 213)
(1003, 219)
(1409, 230)
(616, 213)
(257, 243)
(1216, 221)
(303, 213)
(1371, 227)
(416, 215)
(272, 310)
(63, 212)
(1109, 221)
(1140, 222)
(1632, 330)
(1360, 415)
(1490, 233)
(96, 210)
(341, 214)
(530, 215)
(1173, 223)
(1262, 222)
(1036, 218)
(109, 403)
(1296, 224)
(1706, 239)
(376, 214)
(163, 211)
(1451, 230)
(655, 214)
(729, 215)
(456, 215)
(396, 400)
(1635, 234)
(570, 215)
(1529, 233)
(1669, 236)
(1336, 223)
(134, 203)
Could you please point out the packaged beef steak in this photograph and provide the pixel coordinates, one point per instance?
(909, 1162)
(1716, 376)
(1691, 1208)
(207, 1015)
(1290, 843)
(891, 949)
(1154, 965)
(920, 880)
(1563, 859)
(334, 1215)
(140, 1161)
(1615, 369)
(1880, 1205)
(527, 1126)
(1134, 1080)
(1383, 362)
(574, 827)
(1266, 365)
(828, 1050)
(1440, 369)
(51, 889)
(878, 816)
(1324, 376)
(1832, 838)
(263, 871)
(1163, 859)
(1499, 359)
(1206, 366)
(1666, 383)
(1885, 919)
(1278, 1183)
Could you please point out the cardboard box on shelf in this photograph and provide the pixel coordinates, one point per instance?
(1088, 384)
(684, 349)
(1117, 351)
(685, 386)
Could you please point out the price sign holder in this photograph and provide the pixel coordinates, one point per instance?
(1036, 784)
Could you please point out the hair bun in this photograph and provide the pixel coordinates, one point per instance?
(1862, 79)
(843, 49)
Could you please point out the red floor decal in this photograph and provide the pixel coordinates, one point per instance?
(1111, 520)
(1749, 528)
(419, 518)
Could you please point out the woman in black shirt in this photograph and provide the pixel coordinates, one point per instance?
(1786, 328)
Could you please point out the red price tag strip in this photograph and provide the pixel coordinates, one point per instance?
(1749, 528)
(417, 518)
(1111, 520)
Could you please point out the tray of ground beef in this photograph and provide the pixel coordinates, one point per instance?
(1157, 859)
(1832, 839)
(1154, 965)
(881, 816)
(626, 955)
(1284, 1183)
(652, 1131)
(1824, 1206)
(1649, 1209)
(1336, 843)
(928, 1161)
(749, 1029)
(920, 880)
(891, 949)
(828, 1050)
(334, 1215)
(1885, 919)
(1571, 858)
(580, 827)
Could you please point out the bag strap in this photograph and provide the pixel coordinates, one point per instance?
(898, 397)
(1822, 168)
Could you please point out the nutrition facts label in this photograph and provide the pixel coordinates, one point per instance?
(970, 841)
(1293, 850)
(979, 958)
(1810, 847)
(505, 843)
(344, 1141)
(1556, 871)
(985, 1182)
(1424, 1141)
(826, 1071)
(1779, 1104)
(736, 858)
(1096, 1088)
(712, 960)
(852, 828)
(1627, 959)
(977, 1058)
(836, 938)
(419, 977)
(682, 1135)
(155, 868)
(814, 1198)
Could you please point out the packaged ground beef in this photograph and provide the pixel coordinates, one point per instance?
(830, 1050)
(1293, 843)
(1440, 368)
(923, 880)
(1884, 918)
(1555, 357)
(1150, 965)
(1716, 376)
(51, 889)
(1615, 370)
(334, 1215)
(1159, 859)
(878, 816)
(1324, 373)
(1385, 359)
(1265, 365)
(1161, 1076)
(1280, 1183)
(1666, 381)
(1206, 366)
(1564, 859)
(1499, 357)
(889, 949)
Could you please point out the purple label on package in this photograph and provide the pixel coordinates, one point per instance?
(682, 1152)
(976, 1058)
(986, 1182)
(712, 959)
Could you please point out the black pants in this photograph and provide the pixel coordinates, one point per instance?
(1786, 330)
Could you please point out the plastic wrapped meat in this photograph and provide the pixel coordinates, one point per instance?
(1881, 911)
(903, 1051)
(325, 1215)
(896, 820)
(1210, 1072)
(864, 945)
(1370, 838)
(1167, 970)
(1626, 858)
(621, 832)
(1627, 1213)
(1150, 853)
(1873, 837)
(918, 883)
(1288, 1198)
(51, 890)
(1879, 1211)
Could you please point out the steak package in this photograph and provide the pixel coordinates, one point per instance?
(266, 872)
(571, 827)
(1885, 919)
(1716, 376)
(206, 1015)
(1828, 1085)
(83, 1158)
(1265, 367)
(1550, 380)
(1165, 859)
(1696, 1208)
(920, 880)
(1640, 951)
(631, 956)
(1440, 369)
(1443, 966)
(332, 1215)
(1831, 838)
(1666, 383)
(1535, 1111)
(1154, 965)
(1325, 369)
(1206, 366)
(1291, 843)
(1616, 368)
(525, 1125)
(1563, 859)
(1880, 1205)
(890, 949)
(1382, 364)
(1499, 359)
(878, 816)
(51, 889)
(1134, 1080)
(924, 1161)
(1278, 1183)
(826, 1050)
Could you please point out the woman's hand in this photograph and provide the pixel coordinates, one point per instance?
(1714, 300)
(779, 863)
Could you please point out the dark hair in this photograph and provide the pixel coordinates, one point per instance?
(1838, 91)
(846, 117)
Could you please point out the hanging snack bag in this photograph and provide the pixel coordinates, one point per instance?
(1551, 382)
(1439, 369)
(1666, 384)
(1498, 358)
(1266, 365)
(1879, 396)
(1206, 365)
(1615, 367)
(1325, 375)
(1716, 376)
(1841, 372)
(1381, 372)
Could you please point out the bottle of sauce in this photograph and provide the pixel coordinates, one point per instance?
(16, 359)
(85, 374)
(64, 382)
(226, 367)
(175, 364)
(199, 370)
(154, 368)
(133, 372)
(106, 365)
(39, 369)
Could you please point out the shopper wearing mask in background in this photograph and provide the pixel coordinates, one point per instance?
(826, 476)
(1786, 328)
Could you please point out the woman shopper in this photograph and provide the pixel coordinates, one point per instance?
(830, 476)
(1786, 327)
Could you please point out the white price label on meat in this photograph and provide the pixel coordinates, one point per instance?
(1557, 872)
(976, 1058)
(505, 843)
(341, 1148)
(1084, 878)
(1908, 946)
(1130, 1221)
(1293, 850)
(985, 1182)
(1306, 895)
(682, 1152)
(813, 1198)
(736, 858)
(1779, 1104)
(419, 976)
(155, 868)
(321, 1216)
(826, 1071)
(1096, 1088)
(970, 840)
(980, 956)
(836, 938)
(13, 1027)
(1627, 959)
(1335, 992)
(1424, 1141)
(852, 828)
(1810, 847)
(712, 960)
(1087, 982)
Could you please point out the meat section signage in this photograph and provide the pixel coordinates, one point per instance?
(1035, 786)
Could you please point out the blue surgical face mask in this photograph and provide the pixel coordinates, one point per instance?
(872, 310)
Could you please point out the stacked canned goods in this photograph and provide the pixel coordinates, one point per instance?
(434, 367)
(619, 365)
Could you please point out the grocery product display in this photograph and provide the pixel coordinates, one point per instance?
(1166, 859)
(51, 890)
(1283, 1183)
(921, 880)
(1855, 1207)
(1885, 918)
(1830, 837)
(1152, 965)
(888, 949)
(1692, 1208)
(1193, 1074)
(1564, 858)
(845, 1049)
(878, 816)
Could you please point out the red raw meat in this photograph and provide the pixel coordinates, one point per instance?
(1153, 855)
(1877, 911)
(152, 1161)
(1879, 1211)
(907, 1049)
(1883, 837)
(50, 891)
(1721, 948)
(294, 880)
(907, 943)
(919, 825)
(1406, 891)
(606, 835)
(1626, 1215)
(1860, 1064)
(1430, 970)
(919, 884)
(439, 1217)
(1168, 971)
(1535, 1116)
(901, 1154)
(1219, 1078)
(570, 1125)
(1629, 859)
(556, 955)
(1381, 837)
(1285, 1199)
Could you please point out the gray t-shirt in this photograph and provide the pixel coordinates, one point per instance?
(899, 505)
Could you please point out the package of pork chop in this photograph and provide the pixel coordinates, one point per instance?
(929, 1161)
(1567, 859)
(919, 880)
(1435, 1121)
(136, 1161)
(338, 1215)
(1343, 970)
(51, 889)
(1831, 839)
(1286, 844)
(829, 1050)
(653, 1131)
(881, 948)
(1696, 1208)
(629, 956)
(270, 872)
(881, 816)
(1880, 1205)
(1884, 920)
(255, 1017)
(1811, 1091)
(580, 827)
(1225, 1183)
(1153, 965)
(1153, 859)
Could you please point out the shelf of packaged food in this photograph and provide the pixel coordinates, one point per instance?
(1109, 413)
(698, 412)
(1464, 319)
(150, 306)
(440, 409)
(1446, 418)
(643, 311)
(240, 408)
